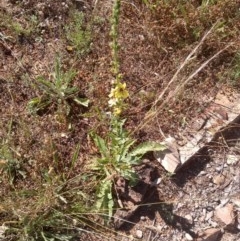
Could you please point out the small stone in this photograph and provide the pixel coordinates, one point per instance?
(209, 208)
(211, 234)
(218, 180)
(209, 215)
(204, 211)
(238, 227)
(212, 223)
(189, 218)
(139, 234)
(156, 182)
(196, 205)
(236, 201)
(226, 216)
(188, 237)
(232, 159)
(202, 173)
(219, 168)
(143, 218)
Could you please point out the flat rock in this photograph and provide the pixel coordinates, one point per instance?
(211, 234)
(170, 163)
(226, 216)
(169, 158)
(224, 110)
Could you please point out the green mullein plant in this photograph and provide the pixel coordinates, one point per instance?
(57, 91)
(117, 155)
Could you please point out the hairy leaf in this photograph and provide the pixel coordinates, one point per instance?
(81, 101)
(101, 144)
(146, 147)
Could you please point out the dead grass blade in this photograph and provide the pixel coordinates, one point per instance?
(154, 111)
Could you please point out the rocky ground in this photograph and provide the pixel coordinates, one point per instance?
(204, 194)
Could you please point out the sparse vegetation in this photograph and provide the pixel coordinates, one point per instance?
(78, 34)
(58, 92)
(150, 67)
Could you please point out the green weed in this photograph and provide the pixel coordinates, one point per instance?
(58, 91)
(117, 156)
(117, 159)
(56, 211)
(50, 213)
(32, 24)
(78, 35)
(26, 29)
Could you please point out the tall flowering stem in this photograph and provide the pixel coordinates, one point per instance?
(118, 91)
(114, 35)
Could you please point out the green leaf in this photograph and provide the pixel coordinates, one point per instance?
(74, 157)
(101, 144)
(33, 102)
(82, 101)
(126, 147)
(46, 86)
(105, 200)
(38, 103)
(146, 147)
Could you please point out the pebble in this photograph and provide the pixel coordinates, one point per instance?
(202, 173)
(218, 179)
(213, 224)
(139, 234)
(238, 227)
(232, 159)
(188, 237)
(196, 205)
(189, 218)
(204, 211)
(209, 215)
(219, 169)
(143, 218)
(209, 208)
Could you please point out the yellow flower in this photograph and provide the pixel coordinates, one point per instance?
(119, 92)
(117, 111)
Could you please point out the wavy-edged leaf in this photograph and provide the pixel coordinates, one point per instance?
(38, 103)
(46, 86)
(146, 147)
(105, 200)
(81, 101)
(101, 144)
